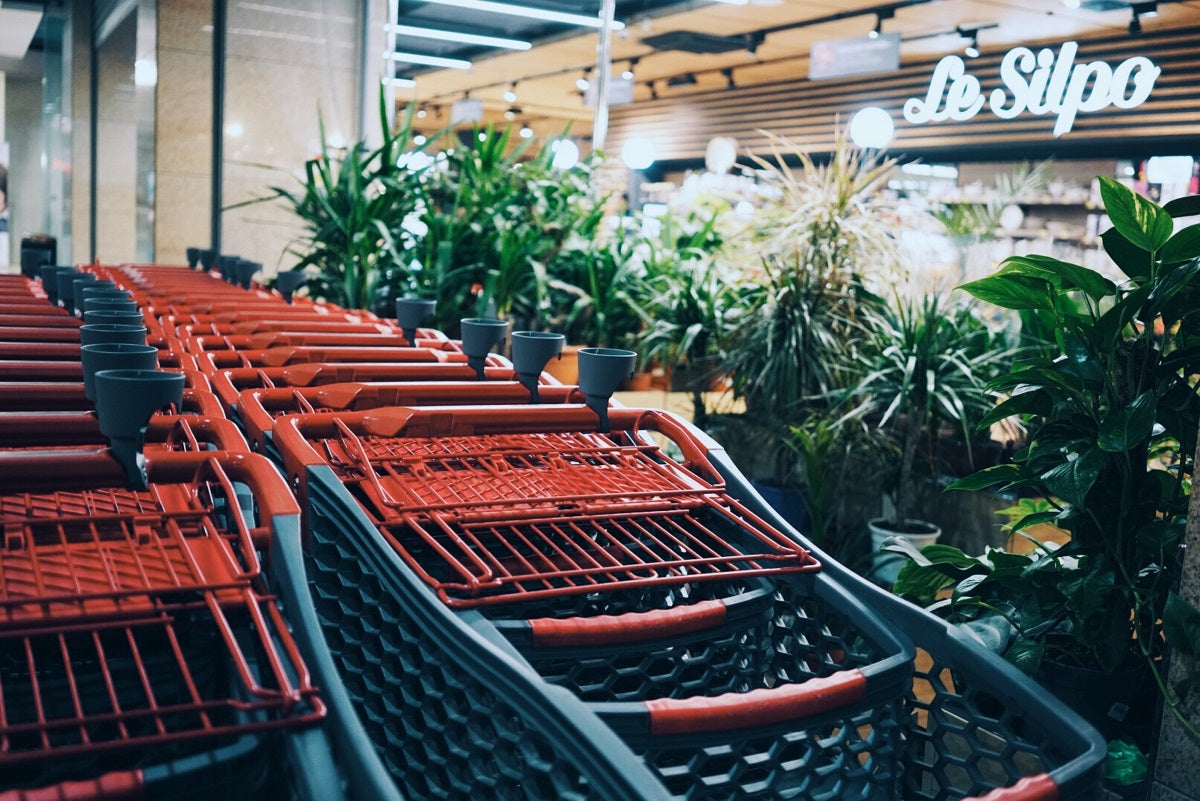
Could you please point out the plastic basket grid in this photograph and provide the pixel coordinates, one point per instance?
(832, 759)
(963, 740)
(481, 517)
(787, 640)
(440, 733)
(850, 750)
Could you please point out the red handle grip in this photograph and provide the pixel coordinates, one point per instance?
(123, 786)
(1032, 788)
(755, 708)
(627, 628)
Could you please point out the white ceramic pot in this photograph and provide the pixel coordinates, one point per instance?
(885, 565)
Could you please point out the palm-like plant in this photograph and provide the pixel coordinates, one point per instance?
(923, 367)
(352, 205)
(817, 240)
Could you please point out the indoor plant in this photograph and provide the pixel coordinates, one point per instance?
(1113, 412)
(353, 203)
(922, 367)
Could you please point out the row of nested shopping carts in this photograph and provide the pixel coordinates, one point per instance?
(267, 548)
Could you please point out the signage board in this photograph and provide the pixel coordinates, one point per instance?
(837, 58)
(1043, 83)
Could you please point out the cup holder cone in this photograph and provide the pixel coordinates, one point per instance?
(601, 371)
(531, 350)
(479, 336)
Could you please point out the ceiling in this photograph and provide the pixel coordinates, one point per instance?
(762, 41)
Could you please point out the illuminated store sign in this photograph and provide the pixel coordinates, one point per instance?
(1045, 83)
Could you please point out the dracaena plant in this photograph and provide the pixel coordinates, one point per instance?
(1112, 411)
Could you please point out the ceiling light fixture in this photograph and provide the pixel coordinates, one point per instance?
(511, 113)
(459, 36)
(543, 14)
(687, 79)
(582, 83)
(628, 73)
(1149, 10)
(510, 94)
(753, 40)
(731, 2)
(431, 61)
(400, 83)
(729, 82)
(880, 16)
(653, 90)
(972, 37)
(1135, 24)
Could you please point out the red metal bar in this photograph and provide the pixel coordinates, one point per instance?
(548, 632)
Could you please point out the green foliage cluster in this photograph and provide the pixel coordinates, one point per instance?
(1112, 409)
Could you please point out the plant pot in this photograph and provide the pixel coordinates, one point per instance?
(787, 501)
(1120, 704)
(638, 382)
(566, 367)
(885, 565)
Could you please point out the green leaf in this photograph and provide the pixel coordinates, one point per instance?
(1063, 275)
(1012, 291)
(1122, 429)
(1183, 246)
(1026, 655)
(1141, 221)
(1132, 260)
(1026, 402)
(1187, 206)
(920, 585)
(1181, 625)
(988, 477)
(1073, 479)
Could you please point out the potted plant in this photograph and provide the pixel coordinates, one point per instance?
(1112, 409)
(923, 366)
(689, 301)
(352, 204)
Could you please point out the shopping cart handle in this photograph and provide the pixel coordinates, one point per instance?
(627, 628)
(121, 786)
(1032, 788)
(761, 707)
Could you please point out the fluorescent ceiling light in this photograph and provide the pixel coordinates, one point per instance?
(731, 2)
(432, 61)
(17, 27)
(459, 36)
(400, 83)
(526, 11)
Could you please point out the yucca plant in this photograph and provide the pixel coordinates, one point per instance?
(353, 204)
(923, 366)
(815, 243)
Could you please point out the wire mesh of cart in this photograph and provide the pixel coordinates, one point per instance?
(542, 506)
(134, 625)
(691, 660)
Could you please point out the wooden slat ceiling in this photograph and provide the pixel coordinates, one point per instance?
(545, 75)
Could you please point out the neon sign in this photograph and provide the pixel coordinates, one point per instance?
(1045, 83)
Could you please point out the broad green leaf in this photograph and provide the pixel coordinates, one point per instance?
(1187, 206)
(1181, 625)
(1031, 402)
(1140, 220)
(1026, 655)
(1183, 246)
(1011, 291)
(988, 477)
(1063, 275)
(1073, 479)
(1113, 322)
(1122, 429)
(920, 585)
(1132, 260)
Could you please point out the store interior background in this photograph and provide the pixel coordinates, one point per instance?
(109, 110)
(131, 132)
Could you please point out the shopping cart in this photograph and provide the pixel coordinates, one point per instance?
(136, 637)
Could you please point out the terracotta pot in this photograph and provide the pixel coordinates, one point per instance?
(641, 382)
(566, 369)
